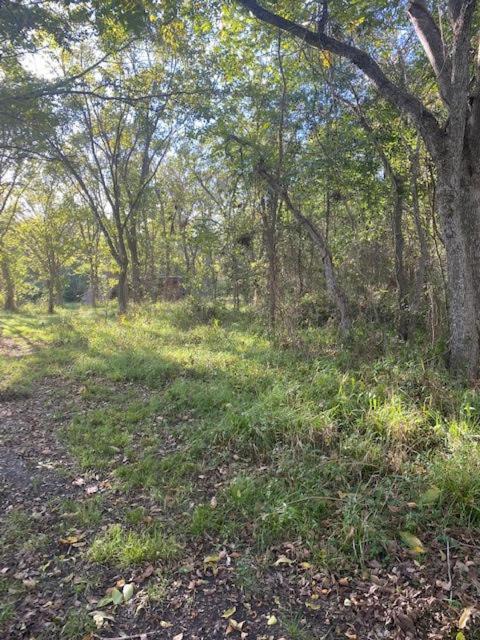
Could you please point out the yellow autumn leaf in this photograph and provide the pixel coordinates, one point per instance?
(326, 58)
(413, 543)
(211, 559)
(229, 612)
(234, 625)
(465, 617)
(272, 620)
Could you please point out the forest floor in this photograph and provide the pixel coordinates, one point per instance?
(167, 478)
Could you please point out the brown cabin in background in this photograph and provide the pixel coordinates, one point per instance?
(171, 288)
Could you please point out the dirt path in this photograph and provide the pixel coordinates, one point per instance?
(33, 464)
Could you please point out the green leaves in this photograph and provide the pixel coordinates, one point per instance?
(116, 597)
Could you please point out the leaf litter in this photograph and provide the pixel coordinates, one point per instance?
(48, 576)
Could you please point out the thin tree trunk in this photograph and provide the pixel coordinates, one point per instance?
(51, 296)
(123, 289)
(9, 302)
(399, 244)
(93, 283)
(269, 207)
(424, 259)
(335, 291)
(132, 241)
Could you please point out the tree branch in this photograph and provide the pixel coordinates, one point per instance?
(429, 35)
(424, 119)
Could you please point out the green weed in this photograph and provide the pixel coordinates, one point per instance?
(126, 548)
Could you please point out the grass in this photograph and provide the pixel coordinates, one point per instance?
(126, 548)
(83, 513)
(313, 444)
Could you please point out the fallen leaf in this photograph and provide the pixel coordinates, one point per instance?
(31, 583)
(146, 573)
(99, 618)
(116, 596)
(178, 637)
(229, 612)
(165, 625)
(73, 541)
(271, 620)
(465, 617)
(213, 502)
(233, 625)
(405, 623)
(430, 496)
(211, 559)
(128, 592)
(413, 543)
(282, 560)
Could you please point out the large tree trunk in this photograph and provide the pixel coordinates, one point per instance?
(9, 302)
(458, 205)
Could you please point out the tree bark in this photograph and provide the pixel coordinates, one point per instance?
(424, 259)
(269, 211)
(122, 292)
(399, 244)
(9, 302)
(51, 296)
(132, 241)
(454, 208)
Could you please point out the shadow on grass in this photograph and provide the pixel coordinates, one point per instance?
(312, 448)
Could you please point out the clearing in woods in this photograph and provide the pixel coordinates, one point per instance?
(168, 478)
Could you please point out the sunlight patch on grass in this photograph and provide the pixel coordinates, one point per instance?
(126, 548)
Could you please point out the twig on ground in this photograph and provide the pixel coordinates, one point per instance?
(449, 568)
(141, 635)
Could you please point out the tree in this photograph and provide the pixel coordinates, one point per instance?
(450, 144)
(115, 155)
(48, 235)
